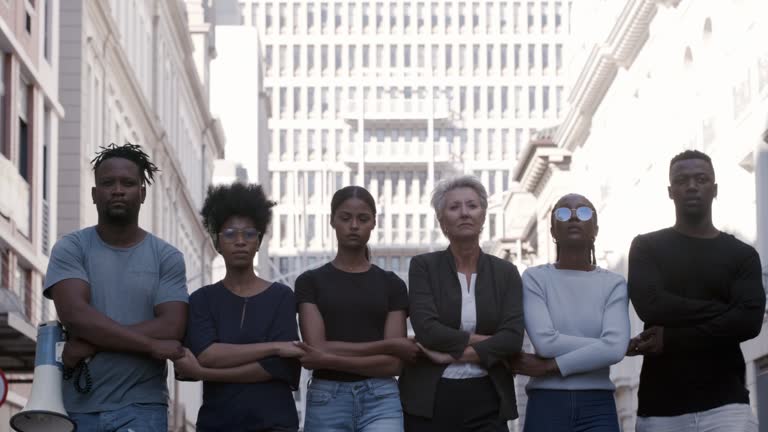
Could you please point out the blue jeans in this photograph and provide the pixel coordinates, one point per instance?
(371, 405)
(571, 411)
(133, 418)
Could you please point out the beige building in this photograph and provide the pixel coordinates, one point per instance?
(663, 77)
(30, 116)
(123, 70)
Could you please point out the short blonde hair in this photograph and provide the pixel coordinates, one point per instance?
(447, 185)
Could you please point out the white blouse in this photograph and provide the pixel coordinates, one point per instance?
(468, 324)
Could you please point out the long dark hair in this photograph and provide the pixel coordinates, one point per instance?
(349, 192)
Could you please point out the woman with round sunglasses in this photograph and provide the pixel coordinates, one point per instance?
(576, 316)
(352, 316)
(242, 332)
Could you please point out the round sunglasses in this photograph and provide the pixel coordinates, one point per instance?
(564, 214)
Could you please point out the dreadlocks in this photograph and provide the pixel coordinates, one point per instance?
(133, 153)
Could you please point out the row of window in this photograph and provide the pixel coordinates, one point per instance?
(386, 186)
(384, 144)
(398, 228)
(455, 59)
(381, 17)
(478, 101)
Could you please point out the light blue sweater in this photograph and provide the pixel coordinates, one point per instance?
(579, 318)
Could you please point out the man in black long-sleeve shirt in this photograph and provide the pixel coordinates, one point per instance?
(700, 293)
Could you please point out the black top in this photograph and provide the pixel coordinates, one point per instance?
(435, 295)
(218, 315)
(354, 306)
(708, 295)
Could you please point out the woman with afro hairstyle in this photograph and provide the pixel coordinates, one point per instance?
(352, 317)
(242, 330)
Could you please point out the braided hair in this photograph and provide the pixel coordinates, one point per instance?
(133, 153)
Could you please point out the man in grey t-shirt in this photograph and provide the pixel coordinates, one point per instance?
(121, 294)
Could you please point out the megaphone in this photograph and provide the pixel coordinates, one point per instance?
(45, 411)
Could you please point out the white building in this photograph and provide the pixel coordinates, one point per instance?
(30, 114)
(394, 96)
(128, 73)
(663, 77)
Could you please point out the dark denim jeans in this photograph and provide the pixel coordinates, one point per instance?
(571, 411)
(133, 418)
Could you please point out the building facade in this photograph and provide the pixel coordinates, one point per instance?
(394, 96)
(30, 117)
(665, 76)
(131, 72)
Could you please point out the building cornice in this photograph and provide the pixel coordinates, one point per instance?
(537, 158)
(620, 49)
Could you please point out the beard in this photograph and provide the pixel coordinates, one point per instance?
(118, 217)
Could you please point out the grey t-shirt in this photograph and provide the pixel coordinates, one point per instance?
(126, 284)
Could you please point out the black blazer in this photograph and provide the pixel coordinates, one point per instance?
(435, 311)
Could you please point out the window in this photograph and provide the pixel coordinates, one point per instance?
(448, 56)
(323, 59)
(268, 58)
(476, 100)
(379, 16)
(310, 16)
(282, 19)
(531, 100)
(516, 17)
(492, 222)
(475, 16)
(503, 12)
(462, 57)
(310, 100)
(296, 101)
(310, 58)
(475, 56)
(392, 16)
(337, 16)
(407, 56)
(504, 101)
(366, 56)
(558, 16)
(406, 16)
(558, 57)
(492, 147)
(544, 18)
(531, 57)
(489, 57)
(544, 57)
(448, 16)
(490, 100)
(351, 16)
(545, 99)
(558, 99)
(530, 17)
(462, 17)
(504, 60)
(296, 58)
(420, 16)
(337, 56)
(393, 56)
(324, 101)
(324, 17)
(351, 59)
(283, 142)
(462, 99)
(366, 16)
(311, 221)
(283, 228)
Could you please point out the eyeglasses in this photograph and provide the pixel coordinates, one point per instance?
(564, 214)
(230, 235)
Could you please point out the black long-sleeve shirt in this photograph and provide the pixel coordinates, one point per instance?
(708, 295)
